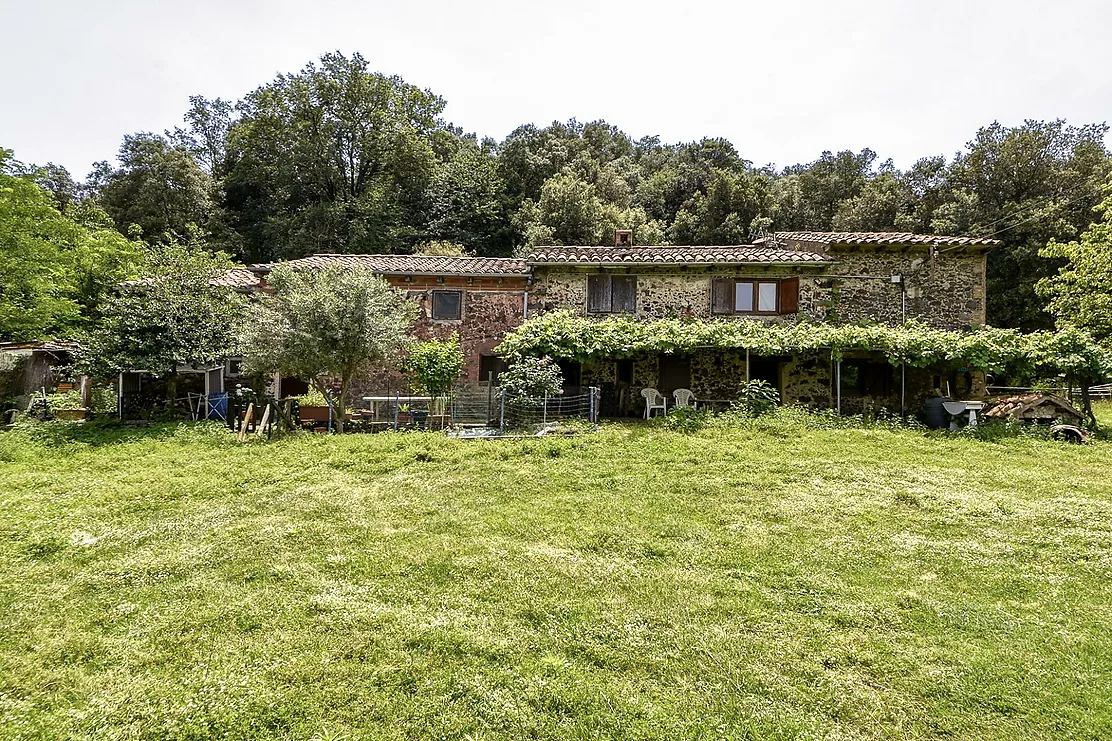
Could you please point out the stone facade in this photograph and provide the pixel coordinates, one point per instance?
(944, 290)
(947, 291)
(491, 308)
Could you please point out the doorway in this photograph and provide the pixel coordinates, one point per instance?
(767, 369)
(675, 373)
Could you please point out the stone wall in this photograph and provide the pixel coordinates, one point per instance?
(488, 313)
(946, 292)
(487, 317)
(663, 293)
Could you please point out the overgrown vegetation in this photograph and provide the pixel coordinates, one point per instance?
(769, 579)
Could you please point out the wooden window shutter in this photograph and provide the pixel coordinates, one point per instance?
(598, 294)
(722, 296)
(789, 295)
(623, 293)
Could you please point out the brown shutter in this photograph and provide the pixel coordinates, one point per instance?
(789, 295)
(623, 293)
(722, 296)
(598, 294)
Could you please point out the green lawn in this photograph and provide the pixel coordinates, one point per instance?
(764, 581)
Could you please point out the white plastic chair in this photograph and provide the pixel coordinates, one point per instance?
(684, 397)
(654, 400)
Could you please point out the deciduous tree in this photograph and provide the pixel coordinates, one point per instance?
(176, 314)
(54, 267)
(158, 187)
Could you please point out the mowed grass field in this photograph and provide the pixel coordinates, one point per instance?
(763, 581)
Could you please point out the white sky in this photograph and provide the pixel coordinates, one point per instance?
(783, 80)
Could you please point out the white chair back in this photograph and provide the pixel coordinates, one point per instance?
(654, 400)
(683, 397)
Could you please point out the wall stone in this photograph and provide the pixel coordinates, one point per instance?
(946, 292)
(488, 314)
(805, 379)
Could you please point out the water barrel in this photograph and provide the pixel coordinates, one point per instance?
(935, 415)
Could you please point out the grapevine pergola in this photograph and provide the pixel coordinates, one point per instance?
(562, 334)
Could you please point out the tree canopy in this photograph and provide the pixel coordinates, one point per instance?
(174, 315)
(1080, 294)
(339, 158)
(324, 326)
(56, 266)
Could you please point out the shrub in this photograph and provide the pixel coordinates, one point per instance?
(757, 397)
(313, 398)
(684, 419)
(435, 365)
(532, 378)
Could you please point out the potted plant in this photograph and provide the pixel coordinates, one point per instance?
(313, 407)
(66, 404)
(403, 416)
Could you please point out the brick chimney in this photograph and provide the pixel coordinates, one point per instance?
(623, 238)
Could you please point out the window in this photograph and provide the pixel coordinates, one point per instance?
(611, 294)
(755, 296)
(447, 304)
(625, 370)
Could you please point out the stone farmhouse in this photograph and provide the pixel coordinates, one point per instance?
(788, 277)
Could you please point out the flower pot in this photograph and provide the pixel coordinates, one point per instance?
(313, 414)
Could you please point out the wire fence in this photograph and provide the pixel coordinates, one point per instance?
(478, 413)
(488, 408)
(526, 413)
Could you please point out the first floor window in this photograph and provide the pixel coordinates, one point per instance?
(755, 296)
(447, 304)
(609, 294)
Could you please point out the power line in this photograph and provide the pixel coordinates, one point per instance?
(1036, 216)
(1047, 201)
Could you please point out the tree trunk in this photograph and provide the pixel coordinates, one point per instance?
(340, 406)
(171, 389)
(1087, 403)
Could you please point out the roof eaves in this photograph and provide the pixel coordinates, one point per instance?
(632, 263)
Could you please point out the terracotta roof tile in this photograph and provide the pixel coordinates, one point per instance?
(410, 264)
(239, 278)
(679, 255)
(881, 238)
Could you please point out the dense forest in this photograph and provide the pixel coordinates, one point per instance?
(339, 158)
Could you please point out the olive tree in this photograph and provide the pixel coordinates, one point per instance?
(325, 326)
